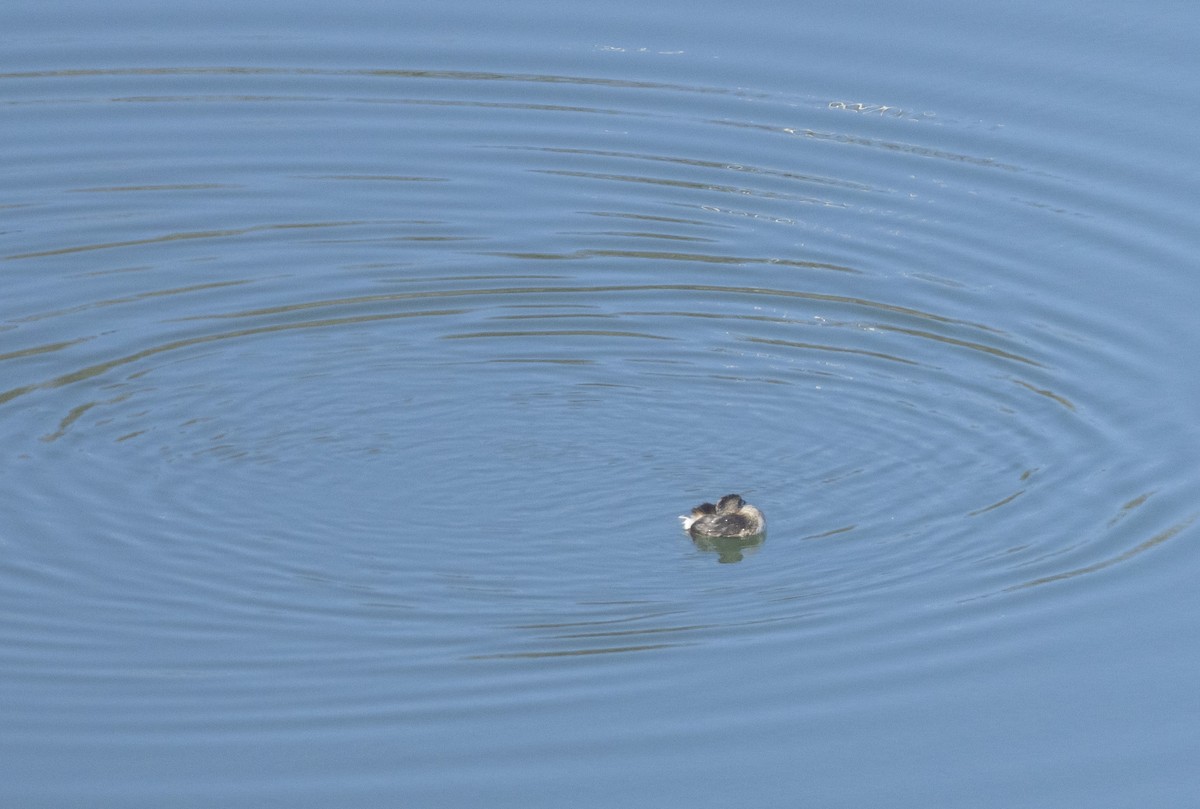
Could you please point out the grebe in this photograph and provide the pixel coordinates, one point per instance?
(730, 517)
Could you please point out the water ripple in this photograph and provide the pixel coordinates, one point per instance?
(561, 308)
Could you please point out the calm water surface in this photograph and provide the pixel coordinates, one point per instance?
(355, 363)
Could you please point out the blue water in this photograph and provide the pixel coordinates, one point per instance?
(355, 363)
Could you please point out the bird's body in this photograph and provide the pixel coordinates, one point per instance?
(730, 517)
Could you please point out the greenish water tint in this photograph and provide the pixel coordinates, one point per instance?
(355, 363)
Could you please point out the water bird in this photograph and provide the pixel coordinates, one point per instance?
(730, 517)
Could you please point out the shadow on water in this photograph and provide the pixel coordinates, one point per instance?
(730, 550)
